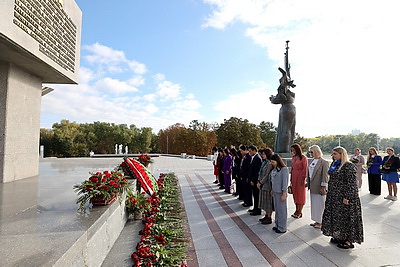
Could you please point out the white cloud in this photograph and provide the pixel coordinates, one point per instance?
(343, 56)
(102, 97)
(136, 81)
(151, 108)
(159, 77)
(85, 75)
(252, 104)
(150, 97)
(187, 104)
(111, 60)
(168, 90)
(114, 86)
(137, 67)
(103, 54)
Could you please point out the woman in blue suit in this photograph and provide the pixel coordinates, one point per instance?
(374, 162)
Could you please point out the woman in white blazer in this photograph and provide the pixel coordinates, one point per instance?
(317, 183)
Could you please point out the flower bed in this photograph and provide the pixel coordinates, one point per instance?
(163, 241)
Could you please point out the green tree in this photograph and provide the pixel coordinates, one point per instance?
(236, 131)
(302, 141)
(268, 133)
(69, 139)
(143, 140)
(198, 139)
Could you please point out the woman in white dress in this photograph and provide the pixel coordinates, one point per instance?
(317, 182)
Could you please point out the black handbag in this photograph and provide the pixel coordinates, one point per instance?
(289, 189)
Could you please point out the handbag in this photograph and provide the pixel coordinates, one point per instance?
(289, 189)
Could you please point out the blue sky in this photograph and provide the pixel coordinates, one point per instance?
(155, 63)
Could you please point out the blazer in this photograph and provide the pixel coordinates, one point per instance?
(375, 166)
(245, 166)
(254, 169)
(280, 179)
(360, 163)
(319, 176)
(394, 163)
(264, 178)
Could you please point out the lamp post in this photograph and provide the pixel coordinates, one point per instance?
(167, 144)
(339, 140)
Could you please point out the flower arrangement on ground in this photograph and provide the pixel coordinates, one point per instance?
(145, 159)
(163, 241)
(106, 185)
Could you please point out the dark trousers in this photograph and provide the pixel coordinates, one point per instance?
(374, 183)
(246, 187)
(239, 189)
(256, 195)
(221, 179)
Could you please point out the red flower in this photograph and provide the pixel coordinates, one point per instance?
(94, 179)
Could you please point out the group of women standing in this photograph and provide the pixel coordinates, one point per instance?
(387, 168)
(335, 204)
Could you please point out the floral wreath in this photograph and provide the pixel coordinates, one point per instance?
(146, 179)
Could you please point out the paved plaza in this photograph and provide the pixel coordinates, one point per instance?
(39, 222)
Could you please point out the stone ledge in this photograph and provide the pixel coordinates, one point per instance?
(93, 246)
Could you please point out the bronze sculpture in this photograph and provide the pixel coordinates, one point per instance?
(287, 113)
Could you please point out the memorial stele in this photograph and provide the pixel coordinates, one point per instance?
(39, 43)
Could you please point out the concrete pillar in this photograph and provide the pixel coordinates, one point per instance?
(20, 101)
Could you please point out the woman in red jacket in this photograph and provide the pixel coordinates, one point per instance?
(298, 179)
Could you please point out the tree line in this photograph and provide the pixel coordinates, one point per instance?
(71, 139)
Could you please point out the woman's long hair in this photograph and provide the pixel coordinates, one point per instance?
(369, 153)
(297, 149)
(278, 159)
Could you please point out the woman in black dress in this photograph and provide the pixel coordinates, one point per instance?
(342, 218)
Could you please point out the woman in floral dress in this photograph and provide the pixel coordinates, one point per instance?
(342, 218)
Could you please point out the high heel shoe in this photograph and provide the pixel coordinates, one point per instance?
(297, 216)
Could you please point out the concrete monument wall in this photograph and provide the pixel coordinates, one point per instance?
(39, 43)
(42, 37)
(20, 119)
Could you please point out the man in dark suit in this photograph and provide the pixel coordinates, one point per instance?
(244, 177)
(254, 169)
